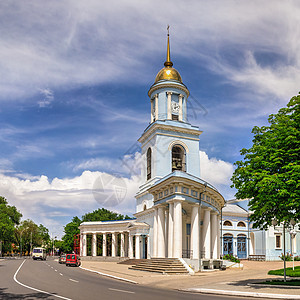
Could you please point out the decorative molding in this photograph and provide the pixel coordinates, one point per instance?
(178, 142)
(156, 126)
(168, 84)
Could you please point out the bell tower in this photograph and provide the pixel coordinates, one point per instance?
(169, 143)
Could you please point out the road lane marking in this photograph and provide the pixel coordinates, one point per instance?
(122, 291)
(34, 289)
(73, 280)
(108, 275)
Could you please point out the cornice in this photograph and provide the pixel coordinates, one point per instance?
(157, 126)
(186, 187)
(168, 84)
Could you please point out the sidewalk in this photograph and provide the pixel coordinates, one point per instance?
(220, 281)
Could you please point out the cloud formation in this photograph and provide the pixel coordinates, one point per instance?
(54, 202)
(66, 43)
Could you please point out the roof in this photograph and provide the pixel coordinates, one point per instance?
(234, 209)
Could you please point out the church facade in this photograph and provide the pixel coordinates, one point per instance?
(178, 214)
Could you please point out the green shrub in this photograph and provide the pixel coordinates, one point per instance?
(288, 257)
(231, 258)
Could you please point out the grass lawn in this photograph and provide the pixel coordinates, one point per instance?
(289, 272)
(293, 282)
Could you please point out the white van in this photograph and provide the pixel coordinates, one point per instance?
(39, 253)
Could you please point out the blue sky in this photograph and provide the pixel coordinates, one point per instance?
(74, 82)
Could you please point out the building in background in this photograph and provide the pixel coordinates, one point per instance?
(240, 239)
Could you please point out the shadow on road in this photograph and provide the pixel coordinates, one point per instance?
(31, 296)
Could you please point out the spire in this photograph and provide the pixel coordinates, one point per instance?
(168, 62)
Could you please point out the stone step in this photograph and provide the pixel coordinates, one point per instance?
(162, 271)
(161, 265)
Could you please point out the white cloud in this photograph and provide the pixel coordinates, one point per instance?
(48, 97)
(218, 173)
(59, 44)
(52, 202)
(47, 201)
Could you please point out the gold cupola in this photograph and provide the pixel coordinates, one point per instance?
(168, 72)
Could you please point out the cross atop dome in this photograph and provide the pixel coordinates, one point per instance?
(168, 72)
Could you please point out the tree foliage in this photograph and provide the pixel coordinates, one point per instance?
(29, 235)
(103, 214)
(71, 229)
(269, 173)
(9, 217)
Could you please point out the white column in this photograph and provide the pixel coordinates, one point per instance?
(180, 107)
(161, 232)
(218, 237)
(152, 117)
(156, 107)
(169, 108)
(84, 244)
(177, 226)
(170, 230)
(126, 244)
(195, 231)
(137, 246)
(166, 231)
(94, 245)
(113, 244)
(206, 233)
(155, 232)
(122, 250)
(81, 244)
(214, 234)
(130, 246)
(104, 245)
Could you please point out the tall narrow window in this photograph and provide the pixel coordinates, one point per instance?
(178, 159)
(148, 163)
(277, 241)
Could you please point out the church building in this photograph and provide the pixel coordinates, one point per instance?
(178, 214)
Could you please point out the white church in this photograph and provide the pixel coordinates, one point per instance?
(177, 213)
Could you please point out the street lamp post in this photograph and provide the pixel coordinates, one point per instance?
(292, 223)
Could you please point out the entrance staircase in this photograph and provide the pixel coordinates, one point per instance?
(161, 265)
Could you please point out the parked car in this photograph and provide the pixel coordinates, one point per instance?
(39, 253)
(73, 260)
(62, 259)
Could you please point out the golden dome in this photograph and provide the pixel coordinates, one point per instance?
(168, 72)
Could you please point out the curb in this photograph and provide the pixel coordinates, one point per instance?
(240, 293)
(110, 276)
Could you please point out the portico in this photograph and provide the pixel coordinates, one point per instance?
(114, 239)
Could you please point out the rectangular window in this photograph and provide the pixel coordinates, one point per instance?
(188, 229)
(175, 117)
(278, 241)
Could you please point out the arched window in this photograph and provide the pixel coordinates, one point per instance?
(241, 224)
(148, 163)
(227, 223)
(178, 158)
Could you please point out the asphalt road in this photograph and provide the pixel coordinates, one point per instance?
(28, 279)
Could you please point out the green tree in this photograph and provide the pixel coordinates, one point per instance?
(28, 236)
(71, 229)
(103, 214)
(9, 217)
(269, 174)
(44, 235)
